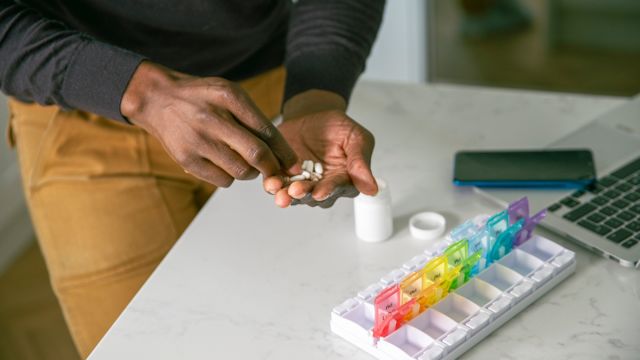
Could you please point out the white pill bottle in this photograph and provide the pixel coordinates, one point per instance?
(373, 216)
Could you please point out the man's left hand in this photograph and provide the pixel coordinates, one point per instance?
(317, 128)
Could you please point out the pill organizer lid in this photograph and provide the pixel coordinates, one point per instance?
(518, 209)
(414, 283)
(498, 223)
(505, 241)
(457, 252)
(479, 242)
(436, 269)
(462, 231)
(387, 301)
(395, 319)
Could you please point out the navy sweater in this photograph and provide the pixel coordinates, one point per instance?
(81, 54)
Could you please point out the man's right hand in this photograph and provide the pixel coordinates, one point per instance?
(209, 125)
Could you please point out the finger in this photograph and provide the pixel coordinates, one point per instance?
(359, 150)
(283, 199)
(205, 170)
(362, 177)
(328, 185)
(248, 114)
(253, 150)
(298, 189)
(344, 191)
(329, 202)
(306, 200)
(272, 184)
(228, 160)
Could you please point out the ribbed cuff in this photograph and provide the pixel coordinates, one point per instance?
(97, 76)
(330, 70)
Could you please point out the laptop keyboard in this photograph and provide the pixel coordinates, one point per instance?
(609, 208)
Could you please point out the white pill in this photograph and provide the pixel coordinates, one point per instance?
(297, 178)
(318, 168)
(307, 165)
(306, 174)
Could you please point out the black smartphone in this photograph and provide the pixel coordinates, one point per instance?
(541, 168)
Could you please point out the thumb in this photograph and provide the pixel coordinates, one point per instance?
(359, 166)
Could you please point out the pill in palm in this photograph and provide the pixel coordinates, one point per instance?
(307, 165)
(310, 171)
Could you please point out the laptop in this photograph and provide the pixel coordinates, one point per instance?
(604, 217)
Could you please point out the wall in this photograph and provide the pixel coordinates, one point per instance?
(400, 51)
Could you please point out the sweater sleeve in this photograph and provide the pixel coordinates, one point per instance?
(43, 61)
(328, 44)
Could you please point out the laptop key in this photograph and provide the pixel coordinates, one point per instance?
(596, 218)
(608, 210)
(627, 169)
(633, 226)
(635, 208)
(554, 207)
(612, 194)
(595, 189)
(619, 235)
(600, 200)
(613, 223)
(629, 243)
(632, 197)
(579, 212)
(607, 181)
(623, 187)
(625, 216)
(620, 204)
(577, 194)
(570, 202)
(598, 229)
(635, 180)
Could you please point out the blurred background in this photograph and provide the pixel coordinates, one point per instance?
(576, 46)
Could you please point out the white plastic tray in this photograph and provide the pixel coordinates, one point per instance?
(465, 316)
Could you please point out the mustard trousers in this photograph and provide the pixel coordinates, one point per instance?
(107, 203)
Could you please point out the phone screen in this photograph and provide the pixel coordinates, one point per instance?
(524, 168)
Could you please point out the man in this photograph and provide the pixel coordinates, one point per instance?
(126, 114)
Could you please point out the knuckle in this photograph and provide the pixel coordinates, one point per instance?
(244, 172)
(203, 116)
(219, 88)
(267, 132)
(183, 157)
(257, 154)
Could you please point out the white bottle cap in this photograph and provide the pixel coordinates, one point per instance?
(427, 225)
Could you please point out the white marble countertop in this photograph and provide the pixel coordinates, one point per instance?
(250, 281)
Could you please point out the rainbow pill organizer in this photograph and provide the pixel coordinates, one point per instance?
(445, 300)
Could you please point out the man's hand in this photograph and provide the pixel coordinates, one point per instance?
(317, 128)
(209, 126)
